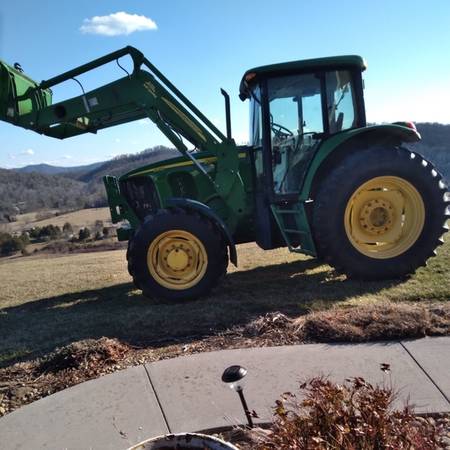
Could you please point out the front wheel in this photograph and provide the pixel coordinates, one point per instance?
(176, 255)
(380, 213)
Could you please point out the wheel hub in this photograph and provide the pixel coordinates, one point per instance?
(177, 259)
(377, 216)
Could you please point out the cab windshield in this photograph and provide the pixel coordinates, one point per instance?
(298, 122)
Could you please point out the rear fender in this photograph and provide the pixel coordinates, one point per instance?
(341, 144)
(194, 205)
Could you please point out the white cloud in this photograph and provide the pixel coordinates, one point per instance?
(67, 157)
(116, 24)
(28, 151)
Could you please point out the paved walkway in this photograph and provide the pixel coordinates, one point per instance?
(186, 393)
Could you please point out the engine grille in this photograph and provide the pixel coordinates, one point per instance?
(141, 195)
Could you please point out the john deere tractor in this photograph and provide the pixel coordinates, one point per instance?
(314, 178)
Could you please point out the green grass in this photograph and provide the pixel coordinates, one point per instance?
(46, 302)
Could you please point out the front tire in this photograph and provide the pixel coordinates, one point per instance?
(176, 255)
(380, 214)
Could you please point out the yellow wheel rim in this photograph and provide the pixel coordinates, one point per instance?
(177, 260)
(384, 217)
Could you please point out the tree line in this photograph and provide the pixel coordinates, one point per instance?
(11, 244)
(22, 192)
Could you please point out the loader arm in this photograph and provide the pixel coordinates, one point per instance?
(145, 92)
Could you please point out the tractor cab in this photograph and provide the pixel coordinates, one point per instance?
(294, 108)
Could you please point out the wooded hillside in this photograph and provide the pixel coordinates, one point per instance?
(25, 192)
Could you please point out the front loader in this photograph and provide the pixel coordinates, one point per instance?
(314, 177)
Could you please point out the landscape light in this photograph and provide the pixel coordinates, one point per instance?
(234, 377)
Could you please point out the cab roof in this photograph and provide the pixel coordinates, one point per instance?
(305, 65)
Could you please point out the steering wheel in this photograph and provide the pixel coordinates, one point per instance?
(280, 132)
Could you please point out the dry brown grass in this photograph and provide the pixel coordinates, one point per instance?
(380, 321)
(35, 278)
(369, 322)
(81, 218)
(51, 301)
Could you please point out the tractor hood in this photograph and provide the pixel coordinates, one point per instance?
(180, 161)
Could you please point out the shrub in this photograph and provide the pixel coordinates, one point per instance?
(105, 232)
(84, 234)
(355, 416)
(67, 228)
(50, 232)
(25, 238)
(34, 232)
(10, 244)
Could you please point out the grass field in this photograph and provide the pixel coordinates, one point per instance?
(46, 302)
(81, 218)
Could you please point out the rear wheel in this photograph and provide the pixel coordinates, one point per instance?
(380, 213)
(176, 255)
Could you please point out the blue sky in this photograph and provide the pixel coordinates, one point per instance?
(202, 45)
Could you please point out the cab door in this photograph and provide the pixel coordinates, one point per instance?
(296, 123)
(262, 172)
(286, 128)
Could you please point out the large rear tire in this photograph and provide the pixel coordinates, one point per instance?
(380, 213)
(176, 255)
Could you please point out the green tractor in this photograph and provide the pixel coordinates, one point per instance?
(314, 178)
